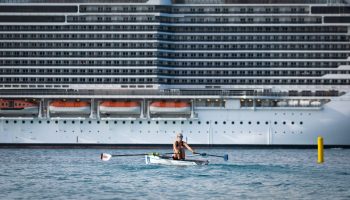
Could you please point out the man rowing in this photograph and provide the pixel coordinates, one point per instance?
(179, 148)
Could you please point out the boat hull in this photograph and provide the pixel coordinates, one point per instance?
(164, 160)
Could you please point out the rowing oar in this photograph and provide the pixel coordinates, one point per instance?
(225, 156)
(106, 156)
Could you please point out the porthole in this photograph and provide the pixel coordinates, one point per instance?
(224, 122)
(64, 121)
(190, 122)
(48, 121)
(56, 122)
(115, 122)
(165, 122)
(149, 122)
(249, 122)
(232, 122)
(31, 122)
(174, 122)
(266, 122)
(207, 122)
(106, 122)
(98, 122)
(89, 122)
(81, 122)
(284, 123)
(216, 122)
(23, 122)
(182, 122)
(275, 122)
(123, 122)
(199, 122)
(241, 122)
(73, 122)
(40, 122)
(140, 122)
(132, 122)
(301, 123)
(6, 122)
(157, 122)
(15, 122)
(292, 122)
(257, 123)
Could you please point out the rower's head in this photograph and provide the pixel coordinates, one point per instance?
(179, 136)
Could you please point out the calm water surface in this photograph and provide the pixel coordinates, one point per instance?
(249, 174)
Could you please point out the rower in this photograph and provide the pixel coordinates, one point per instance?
(179, 148)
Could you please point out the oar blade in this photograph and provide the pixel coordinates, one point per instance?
(105, 156)
(225, 157)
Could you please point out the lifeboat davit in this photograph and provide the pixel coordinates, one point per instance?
(18, 107)
(170, 107)
(120, 107)
(69, 107)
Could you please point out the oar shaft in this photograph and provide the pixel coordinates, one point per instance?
(120, 155)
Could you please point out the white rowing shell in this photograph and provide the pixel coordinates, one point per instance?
(164, 160)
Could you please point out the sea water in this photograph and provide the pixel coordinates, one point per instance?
(249, 174)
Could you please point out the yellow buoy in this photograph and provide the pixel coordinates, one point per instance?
(320, 150)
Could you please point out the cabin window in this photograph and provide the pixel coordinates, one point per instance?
(106, 122)
(275, 122)
(241, 122)
(48, 122)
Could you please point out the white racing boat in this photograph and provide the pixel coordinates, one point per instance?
(166, 160)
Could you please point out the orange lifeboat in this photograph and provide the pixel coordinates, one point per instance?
(18, 107)
(120, 107)
(69, 107)
(170, 107)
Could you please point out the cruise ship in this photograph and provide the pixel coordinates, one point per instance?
(136, 72)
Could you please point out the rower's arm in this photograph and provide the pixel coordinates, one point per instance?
(175, 148)
(188, 147)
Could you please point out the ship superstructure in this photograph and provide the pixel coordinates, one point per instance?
(138, 71)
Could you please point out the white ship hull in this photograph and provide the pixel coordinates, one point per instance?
(212, 126)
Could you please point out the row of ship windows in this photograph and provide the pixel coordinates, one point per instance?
(150, 45)
(183, 38)
(197, 19)
(296, 63)
(197, 9)
(78, 36)
(52, 62)
(175, 81)
(244, 29)
(173, 122)
(267, 46)
(87, 44)
(171, 72)
(240, 19)
(251, 38)
(134, 54)
(304, 55)
(78, 62)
